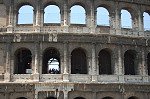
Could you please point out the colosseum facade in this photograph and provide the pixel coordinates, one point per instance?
(93, 61)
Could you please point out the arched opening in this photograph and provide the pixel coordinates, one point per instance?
(79, 98)
(130, 64)
(104, 58)
(51, 61)
(50, 98)
(21, 98)
(78, 62)
(23, 61)
(148, 63)
(107, 98)
(78, 15)
(102, 16)
(133, 97)
(25, 15)
(126, 19)
(146, 21)
(52, 14)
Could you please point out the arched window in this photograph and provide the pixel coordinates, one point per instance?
(78, 62)
(104, 62)
(51, 61)
(102, 16)
(126, 19)
(146, 21)
(77, 15)
(23, 61)
(52, 14)
(50, 98)
(133, 97)
(130, 64)
(21, 98)
(79, 98)
(148, 63)
(107, 98)
(25, 15)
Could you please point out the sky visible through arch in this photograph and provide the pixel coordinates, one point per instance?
(53, 16)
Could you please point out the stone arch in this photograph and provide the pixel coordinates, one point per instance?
(107, 98)
(130, 62)
(102, 16)
(126, 18)
(148, 63)
(133, 97)
(51, 97)
(21, 98)
(146, 20)
(104, 59)
(79, 98)
(52, 13)
(78, 61)
(25, 11)
(51, 61)
(23, 61)
(77, 14)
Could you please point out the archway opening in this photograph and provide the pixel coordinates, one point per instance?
(102, 16)
(77, 15)
(23, 61)
(78, 61)
(79, 98)
(21, 98)
(146, 20)
(126, 19)
(148, 63)
(107, 98)
(133, 97)
(52, 14)
(51, 61)
(26, 15)
(130, 62)
(50, 98)
(104, 62)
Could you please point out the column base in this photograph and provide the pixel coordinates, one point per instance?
(94, 78)
(36, 77)
(6, 77)
(121, 78)
(10, 29)
(65, 77)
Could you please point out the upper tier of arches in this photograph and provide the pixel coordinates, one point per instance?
(123, 15)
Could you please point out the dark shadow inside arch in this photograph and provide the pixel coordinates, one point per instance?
(50, 98)
(148, 63)
(21, 98)
(107, 98)
(78, 62)
(79, 98)
(133, 97)
(104, 62)
(130, 62)
(23, 61)
(51, 61)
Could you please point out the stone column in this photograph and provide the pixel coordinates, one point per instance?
(65, 72)
(7, 62)
(65, 94)
(112, 22)
(37, 17)
(65, 16)
(118, 20)
(92, 17)
(94, 67)
(10, 18)
(141, 24)
(36, 62)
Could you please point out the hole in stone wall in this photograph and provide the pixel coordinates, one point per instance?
(23, 61)
(78, 62)
(146, 21)
(79, 98)
(51, 61)
(148, 63)
(130, 62)
(107, 98)
(104, 62)
(21, 98)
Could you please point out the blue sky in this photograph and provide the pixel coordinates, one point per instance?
(78, 16)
